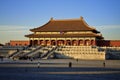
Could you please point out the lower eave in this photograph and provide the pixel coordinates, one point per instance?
(62, 35)
(95, 31)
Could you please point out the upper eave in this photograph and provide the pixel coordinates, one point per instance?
(64, 26)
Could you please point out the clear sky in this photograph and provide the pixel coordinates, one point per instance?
(18, 16)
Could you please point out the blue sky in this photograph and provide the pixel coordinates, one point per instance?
(18, 16)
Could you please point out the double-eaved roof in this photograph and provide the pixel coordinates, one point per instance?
(68, 25)
(64, 26)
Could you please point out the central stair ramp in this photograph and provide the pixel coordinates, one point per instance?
(35, 54)
(48, 52)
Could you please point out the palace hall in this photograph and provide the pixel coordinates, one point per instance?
(65, 32)
(65, 38)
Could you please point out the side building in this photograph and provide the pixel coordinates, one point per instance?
(19, 43)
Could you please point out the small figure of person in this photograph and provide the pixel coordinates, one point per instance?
(17, 50)
(31, 59)
(70, 64)
(104, 64)
(77, 60)
(38, 64)
(1, 58)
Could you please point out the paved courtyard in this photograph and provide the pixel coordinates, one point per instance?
(59, 70)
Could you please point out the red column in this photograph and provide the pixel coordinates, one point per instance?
(83, 42)
(57, 42)
(32, 42)
(65, 42)
(77, 42)
(94, 42)
(38, 42)
(71, 42)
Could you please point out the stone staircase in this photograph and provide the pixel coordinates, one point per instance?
(82, 52)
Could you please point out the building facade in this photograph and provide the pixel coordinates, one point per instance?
(74, 32)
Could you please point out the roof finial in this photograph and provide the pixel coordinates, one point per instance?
(81, 17)
(51, 18)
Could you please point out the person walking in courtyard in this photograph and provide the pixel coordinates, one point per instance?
(38, 64)
(104, 64)
(70, 64)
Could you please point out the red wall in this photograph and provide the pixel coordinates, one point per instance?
(19, 42)
(115, 43)
(108, 43)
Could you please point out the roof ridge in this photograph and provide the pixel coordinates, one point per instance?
(65, 19)
(72, 19)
